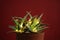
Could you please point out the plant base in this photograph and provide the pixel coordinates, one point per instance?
(30, 36)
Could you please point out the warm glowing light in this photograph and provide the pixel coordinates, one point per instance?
(34, 30)
(16, 30)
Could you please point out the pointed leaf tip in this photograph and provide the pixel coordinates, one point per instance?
(40, 16)
(29, 14)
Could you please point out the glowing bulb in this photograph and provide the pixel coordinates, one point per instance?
(34, 30)
(21, 31)
(16, 30)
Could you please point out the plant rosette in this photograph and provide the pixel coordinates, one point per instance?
(32, 25)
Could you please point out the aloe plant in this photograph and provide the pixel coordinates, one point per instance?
(33, 24)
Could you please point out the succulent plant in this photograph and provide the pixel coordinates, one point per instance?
(33, 24)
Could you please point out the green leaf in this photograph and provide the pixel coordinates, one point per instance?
(43, 24)
(13, 27)
(16, 22)
(40, 16)
(25, 16)
(29, 14)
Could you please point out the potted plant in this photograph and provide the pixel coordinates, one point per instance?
(29, 29)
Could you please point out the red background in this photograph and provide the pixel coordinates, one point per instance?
(10, 8)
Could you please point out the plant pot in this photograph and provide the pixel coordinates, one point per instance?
(30, 36)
